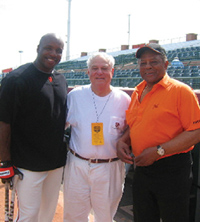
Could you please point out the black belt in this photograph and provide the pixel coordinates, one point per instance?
(94, 160)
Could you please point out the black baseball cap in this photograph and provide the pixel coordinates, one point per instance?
(152, 46)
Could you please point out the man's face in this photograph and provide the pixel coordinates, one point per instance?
(152, 67)
(49, 53)
(100, 72)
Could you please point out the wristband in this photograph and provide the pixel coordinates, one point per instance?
(6, 170)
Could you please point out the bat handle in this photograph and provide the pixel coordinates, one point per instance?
(7, 201)
(12, 201)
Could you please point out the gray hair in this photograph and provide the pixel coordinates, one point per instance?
(108, 58)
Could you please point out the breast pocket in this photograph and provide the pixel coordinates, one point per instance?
(116, 125)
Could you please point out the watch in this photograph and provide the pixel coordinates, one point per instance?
(160, 150)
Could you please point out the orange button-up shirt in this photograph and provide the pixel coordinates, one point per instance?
(170, 108)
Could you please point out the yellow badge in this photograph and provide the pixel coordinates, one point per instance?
(97, 134)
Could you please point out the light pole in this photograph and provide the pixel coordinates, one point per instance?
(20, 53)
(129, 30)
(68, 30)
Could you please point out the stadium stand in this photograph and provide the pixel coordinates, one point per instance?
(184, 58)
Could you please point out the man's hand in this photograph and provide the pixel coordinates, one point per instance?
(147, 157)
(7, 171)
(124, 152)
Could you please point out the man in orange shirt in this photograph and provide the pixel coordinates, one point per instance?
(164, 124)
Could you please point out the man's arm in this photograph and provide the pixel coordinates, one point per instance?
(178, 144)
(123, 147)
(5, 132)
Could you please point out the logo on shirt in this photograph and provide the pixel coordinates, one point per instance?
(117, 125)
(195, 122)
(155, 106)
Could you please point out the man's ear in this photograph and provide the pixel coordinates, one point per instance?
(166, 64)
(113, 72)
(37, 49)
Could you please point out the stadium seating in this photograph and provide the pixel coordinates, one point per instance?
(131, 77)
(127, 74)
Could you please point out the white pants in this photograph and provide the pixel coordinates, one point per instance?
(92, 186)
(38, 195)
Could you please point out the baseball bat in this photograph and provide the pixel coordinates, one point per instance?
(12, 201)
(7, 201)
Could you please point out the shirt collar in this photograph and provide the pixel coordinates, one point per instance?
(165, 81)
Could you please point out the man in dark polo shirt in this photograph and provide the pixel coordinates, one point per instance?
(32, 120)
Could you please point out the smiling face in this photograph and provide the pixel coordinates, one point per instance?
(152, 67)
(49, 53)
(100, 73)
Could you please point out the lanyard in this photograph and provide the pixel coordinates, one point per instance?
(95, 106)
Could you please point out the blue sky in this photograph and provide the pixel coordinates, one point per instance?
(95, 24)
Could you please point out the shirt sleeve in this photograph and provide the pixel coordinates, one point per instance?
(189, 110)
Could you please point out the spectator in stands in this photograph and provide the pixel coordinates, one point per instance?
(177, 63)
(164, 124)
(94, 176)
(32, 122)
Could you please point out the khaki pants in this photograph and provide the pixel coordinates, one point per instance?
(96, 186)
